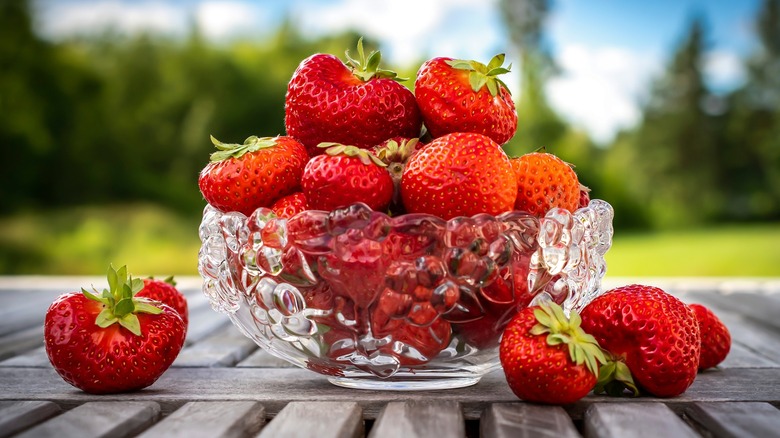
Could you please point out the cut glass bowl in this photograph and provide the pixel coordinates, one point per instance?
(403, 303)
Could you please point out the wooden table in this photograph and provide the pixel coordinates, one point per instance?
(223, 385)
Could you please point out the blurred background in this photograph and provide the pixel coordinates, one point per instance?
(669, 109)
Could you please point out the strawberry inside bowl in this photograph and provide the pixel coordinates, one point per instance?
(406, 302)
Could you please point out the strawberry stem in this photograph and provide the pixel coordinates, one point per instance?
(615, 379)
(335, 149)
(560, 329)
(234, 150)
(481, 75)
(367, 68)
(120, 305)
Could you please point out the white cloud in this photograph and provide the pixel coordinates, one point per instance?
(723, 70)
(600, 88)
(409, 29)
(84, 17)
(223, 19)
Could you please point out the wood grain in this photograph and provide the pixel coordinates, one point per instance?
(211, 419)
(634, 420)
(735, 419)
(316, 419)
(17, 416)
(413, 419)
(523, 420)
(98, 419)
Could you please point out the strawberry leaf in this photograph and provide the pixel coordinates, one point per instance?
(147, 307)
(131, 322)
(105, 318)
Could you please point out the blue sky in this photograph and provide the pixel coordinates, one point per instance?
(608, 50)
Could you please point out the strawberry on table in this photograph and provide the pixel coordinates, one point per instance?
(715, 337)
(345, 175)
(544, 181)
(165, 292)
(547, 357)
(112, 342)
(459, 174)
(466, 96)
(356, 103)
(244, 177)
(653, 338)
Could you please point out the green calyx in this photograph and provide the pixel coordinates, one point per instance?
(120, 305)
(394, 152)
(583, 348)
(367, 158)
(615, 378)
(481, 75)
(367, 67)
(234, 150)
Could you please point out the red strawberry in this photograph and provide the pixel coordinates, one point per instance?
(651, 335)
(715, 337)
(416, 345)
(290, 205)
(466, 96)
(547, 357)
(358, 104)
(252, 175)
(460, 174)
(544, 181)
(584, 197)
(165, 292)
(345, 175)
(115, 342)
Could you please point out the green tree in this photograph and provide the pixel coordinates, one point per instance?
(750, 174)
(675, 148)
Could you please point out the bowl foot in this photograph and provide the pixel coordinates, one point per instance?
(404, 383)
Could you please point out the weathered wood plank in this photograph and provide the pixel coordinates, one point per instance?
(320, 419)
(274, 388)
(263, 359)
(757, 338)
(17, 416)
(24, 309)
(203, 322)
(737, 420)
(210, 419)
(634, 420)
(35, 358)
(223, 348)
(98, 419)
(21, 341)
(411, 419)
(762, 308)
(743, 357)
(522, 420)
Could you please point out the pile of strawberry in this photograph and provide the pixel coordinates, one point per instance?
(360, 145)
(355, 134)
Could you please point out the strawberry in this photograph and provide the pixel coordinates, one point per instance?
(113, 342)
(345, 175)
(544, 182)
(460, 174)
(244, 177)
(715, 337)
(165, 292)
(584, 197)
(547, 357)
(466, 96)
(290, 205)
(653, 338)
(358, 103)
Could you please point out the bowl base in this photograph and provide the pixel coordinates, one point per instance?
(404, 383)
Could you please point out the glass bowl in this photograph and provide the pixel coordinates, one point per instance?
(406, 302)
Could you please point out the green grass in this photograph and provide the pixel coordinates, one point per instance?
(731, 251)
(151, 240)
